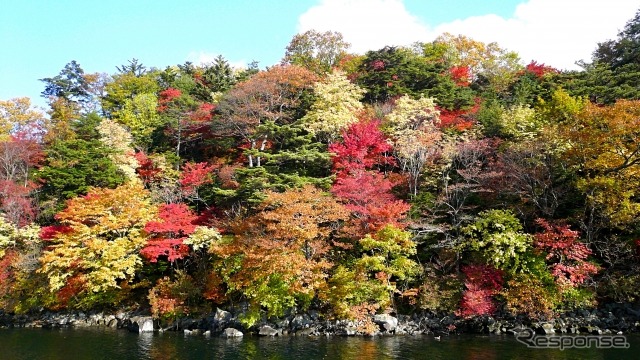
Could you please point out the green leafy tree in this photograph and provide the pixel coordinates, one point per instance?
(386, 257)
(535, 83)
(497, 235)
(381, 269)
(395, 71)
(519, 122)
(71, 167)
(126, 86)
(614, 71)
(141, 118)
(561, 107)
(316, 51)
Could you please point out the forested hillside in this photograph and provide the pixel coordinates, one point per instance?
(446, 177)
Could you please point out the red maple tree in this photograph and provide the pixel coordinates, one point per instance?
(461, 75)
(176, 222)
(482, 283)
(540, 69)
(363, 146)
(458, 119)
(565, 253)
(166, 97)
(195, 175)
(365, 190)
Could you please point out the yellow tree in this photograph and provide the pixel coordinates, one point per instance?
(118, 139)
(386, 258)
(496, 64)
(139, 114)
(604, 147)
(336, 107)
(125, 86)
(412, 128)
(561, 107)
(318, 52)
(63, 113)
(17, 113)
(19, 251)
(520, 122)
(96, 248)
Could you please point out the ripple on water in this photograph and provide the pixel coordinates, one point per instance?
(92, 344)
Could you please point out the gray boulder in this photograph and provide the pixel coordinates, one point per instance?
(266, 330)
(386, 322)
(111, 321)
(301, 322)
(221, 316)
(232, 333)
(141, 324)
(548, 329)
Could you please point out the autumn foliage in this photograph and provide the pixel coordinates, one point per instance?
(363, 147)
(195, 175)
(282, 249)
(446, 176)
(540, 70)
(365, 190)
(98, 245)
(175, 222)
(482, 283)
(566, 254)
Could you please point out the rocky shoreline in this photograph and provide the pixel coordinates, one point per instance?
(610, 319)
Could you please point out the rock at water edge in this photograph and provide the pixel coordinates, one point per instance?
(231, 333)
(386, 321)
(141, 324)
(267, 330)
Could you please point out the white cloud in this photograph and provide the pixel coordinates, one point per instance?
(206, 58)
(554, 32)
(201, 57)
(366, 24)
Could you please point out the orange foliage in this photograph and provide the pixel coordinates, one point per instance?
(286, 242)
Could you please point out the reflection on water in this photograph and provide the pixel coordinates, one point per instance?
(145, 342)
(23, 344)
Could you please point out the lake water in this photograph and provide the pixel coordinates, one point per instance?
(77, 344)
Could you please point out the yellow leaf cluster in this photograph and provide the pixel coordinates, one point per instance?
(15, 113)
(119, 140)
(105, 238)
(336, 107)
(605, 147)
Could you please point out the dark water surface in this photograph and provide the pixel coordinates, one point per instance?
(72, 344)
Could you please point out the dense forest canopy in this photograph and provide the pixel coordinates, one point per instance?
(445, 176)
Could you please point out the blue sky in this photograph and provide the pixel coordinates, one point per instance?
(38, 37)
